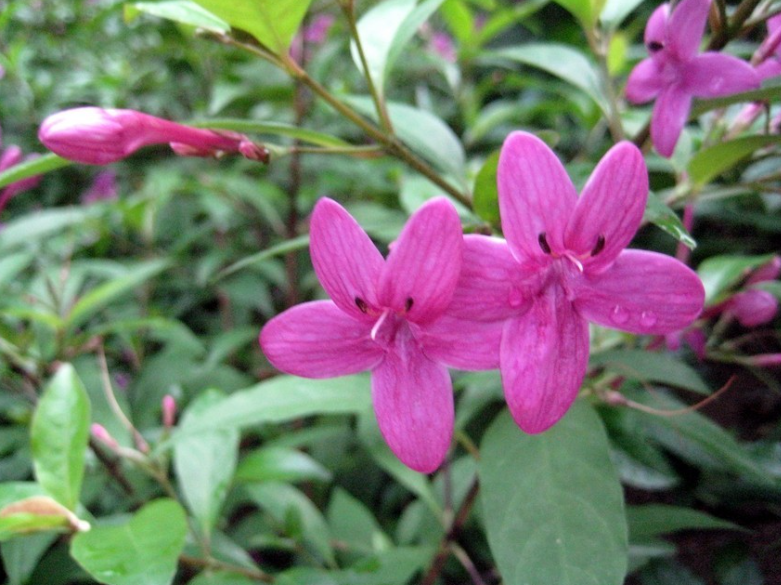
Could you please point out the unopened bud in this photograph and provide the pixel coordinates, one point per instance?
(768, 271)
(765, 360)
(753, 307)
(254, 151)
(169, 411)
(101, 434)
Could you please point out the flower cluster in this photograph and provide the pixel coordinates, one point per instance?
(475, 302)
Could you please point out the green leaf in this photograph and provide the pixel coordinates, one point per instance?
(21, 555)
(378, 29)
(274, 129)
(298, 243)
(655, 519)
(280, 464)
(409, 28)
(44, 224)
(30, 168)
(59, 436)
(281, 399)
(721, 273)
(353, 523)
(12, 264)
(553, 504)
(665, 218)
(615, 11)
(486, 193)
(102, 295)
(648, 366)
(770, 91)
(182, 11)
(294, 511)
(272, 22)
(563, 61)
(205, 463)
(710, 162)
(580, 9)
(143, 551)
(13, 491)
(37, 514)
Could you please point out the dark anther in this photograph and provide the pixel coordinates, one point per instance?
(408, 304)
(655, 46)
(544, 243)
(599, 246)
(361, 304)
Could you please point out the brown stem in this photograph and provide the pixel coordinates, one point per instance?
(113, 468)
(254, 574)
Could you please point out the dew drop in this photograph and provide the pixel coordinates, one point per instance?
(515, 298)
(648, 319)
(620, 315)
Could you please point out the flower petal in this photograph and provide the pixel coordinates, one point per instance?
(769, 68)
(544, 355)
(492, 284)
(318, 340)
(715, 74)
(645, 82)
(686, 26)
(642, 292)
(535, 196)
(466, 345)
(413, 400)
(611, 207)
(671, 111)
(655, 29)
(424, 264)
(346, 261)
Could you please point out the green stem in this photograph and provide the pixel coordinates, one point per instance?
(599, 46)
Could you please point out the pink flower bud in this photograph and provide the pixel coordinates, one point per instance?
(104, 187)
(102, 435)
(768, 271)
(753, 307)
(765, 360)
(169, 411)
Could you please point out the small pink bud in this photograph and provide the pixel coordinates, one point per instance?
(768, 271)
(697, 341)
(103, 188)
(102, 435)
(169, 411)
(254, 151)
(765, 360)
(753, 307)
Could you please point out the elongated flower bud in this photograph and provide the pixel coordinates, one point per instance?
(169, 411)
(753, 307)
(101, 434)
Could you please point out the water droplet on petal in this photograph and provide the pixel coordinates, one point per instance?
(620, 315)
(515, 298)
(648, 319)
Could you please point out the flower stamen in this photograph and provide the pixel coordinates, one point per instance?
(361, 304)
(544, 243)
(599, 246)
(378, 324)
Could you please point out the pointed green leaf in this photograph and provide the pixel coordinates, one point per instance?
(720, 273)
(274, 129)
(44, 224)
(771, 91)
(143, 551)
(182, 11)
(280, 464)
(486, 193)
(554, 508)
(59, 436)
(665, 218)
(656, 519)
(272, 22)
(648, 366)
(30, 168)
(710, 162)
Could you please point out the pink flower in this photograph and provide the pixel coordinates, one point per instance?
(101, 136)
(564, 264)
(11, 157)
(441, 44)
(387, 316)
(104, 187)
(770, 51)
(675, 73)
(753, 307)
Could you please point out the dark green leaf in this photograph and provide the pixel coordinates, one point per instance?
(665, 218)
(30, 168)
(21, 555)
(656, 519)
(280, 464)
(649, 366)
(352, 523)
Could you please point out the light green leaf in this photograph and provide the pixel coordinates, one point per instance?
(649, 366)
(272, 22)
(274, 129)
(43, 224)
(563, 61)
(770, 91)
(486, 193)
(205, 463)
(13, 264)
(409, 28)
(102, 295)
(711, 162)
(59, 436)
(655, 519)
(182, 11)
(280, 464)
(553, 504)
(665, 218)
(37, 514)
(143, 551)
(721, 273)
(580, 9)
(13, 491)
(21, 555)
(298, 243)
(615, 11)
(30, 168)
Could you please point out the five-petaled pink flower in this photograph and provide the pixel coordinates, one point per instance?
(564, 264)
(675, 73)
(387, 317)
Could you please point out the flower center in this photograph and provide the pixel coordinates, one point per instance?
(576, 259)
(388, 322)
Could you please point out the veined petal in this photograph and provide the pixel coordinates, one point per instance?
(346, 261)
(685, 27)
(671, 111)
(466, 345)
(642, 292)
(655, 30)
(413, 401)
(611, 207)
(645, 82)
(536, 197)
(769, 68)
(493, 284)
(715, 74)
(319, 340)
(423, 267)
(544, 355)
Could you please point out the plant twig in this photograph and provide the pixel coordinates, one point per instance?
(210, 563)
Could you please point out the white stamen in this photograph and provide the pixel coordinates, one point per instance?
(575, 261)
(378, 324)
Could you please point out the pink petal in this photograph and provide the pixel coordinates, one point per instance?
(769, 68)
(492, 286)
(346, 261)
(686, 26)
(544, 355)
(466, 345)
(536, 197)
(318, 340)
(671, 111)
(655, 29)
(424, 264)
(645, 82)
(611, 207)
(413, 400)
(714, 75)
(642, 292)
